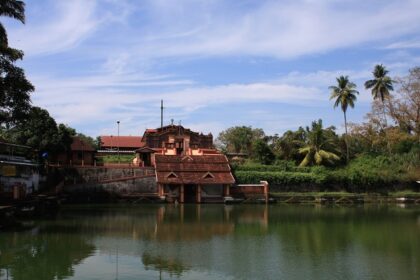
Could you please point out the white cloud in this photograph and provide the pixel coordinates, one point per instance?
(283, 29)
(410, 44)
(97, 100)
(65, 25)
(157, 28)
(58, 26)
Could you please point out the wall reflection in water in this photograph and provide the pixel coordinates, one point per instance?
(216, 241)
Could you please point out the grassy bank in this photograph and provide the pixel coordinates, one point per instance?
(116, 159)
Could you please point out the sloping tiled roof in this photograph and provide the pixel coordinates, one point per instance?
(207, 169)
(121, 141)
(79, 145)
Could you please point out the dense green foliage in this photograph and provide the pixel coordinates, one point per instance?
(41, 132)
(239, 139)
(319, 146)
(365, 173)
(15, 89)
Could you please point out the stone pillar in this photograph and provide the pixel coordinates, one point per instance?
(198, 198)
(181, 194)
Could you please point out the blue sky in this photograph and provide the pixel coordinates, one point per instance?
(215, 63)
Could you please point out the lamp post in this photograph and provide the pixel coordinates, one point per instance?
(118, 141)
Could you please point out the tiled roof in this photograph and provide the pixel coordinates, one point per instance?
(210, 151)
(79, 145)
(145, 150)
(121, 141)
(207, 169)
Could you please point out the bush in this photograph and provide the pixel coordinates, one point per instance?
(367, 173)
(287, 166)
(279, 177)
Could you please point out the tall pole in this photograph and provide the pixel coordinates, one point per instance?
(161, 113)
(118, 141)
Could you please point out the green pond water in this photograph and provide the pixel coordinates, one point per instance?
(216, 242)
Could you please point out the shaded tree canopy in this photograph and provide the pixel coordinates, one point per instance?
(239, 139)
(41, 132)
(15, 89)
(262, 152)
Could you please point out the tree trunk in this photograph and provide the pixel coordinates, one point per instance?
(345, 137)
(388, 145)
(383, 112)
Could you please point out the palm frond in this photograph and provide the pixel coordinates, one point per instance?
(370, 83)
(318, 158)
(328, 155)
(306, 161)
(13, 8)
(304, 150)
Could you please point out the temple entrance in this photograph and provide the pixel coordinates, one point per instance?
(145, 157)
(190, 193)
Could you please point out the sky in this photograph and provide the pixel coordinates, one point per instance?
(215, 63)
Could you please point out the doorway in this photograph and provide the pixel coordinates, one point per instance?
(190, 193)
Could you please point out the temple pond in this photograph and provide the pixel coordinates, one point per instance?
(216, 242)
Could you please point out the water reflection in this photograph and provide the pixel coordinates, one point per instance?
(173, 266)
(26, 255)
(216, 241)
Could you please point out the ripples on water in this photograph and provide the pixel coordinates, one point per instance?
(216, 242)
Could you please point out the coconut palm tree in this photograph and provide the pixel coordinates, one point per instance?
(344, 94)
(317, 146)
(13, 9)
(381, 85)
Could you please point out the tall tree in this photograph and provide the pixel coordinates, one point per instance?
(288, 145)
(381, 85)
(262, 152)
(15, 89)
(344, 94)
(404, 107)
(239, 139)
(319, 146)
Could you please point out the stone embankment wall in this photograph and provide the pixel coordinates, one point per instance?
(118, 181)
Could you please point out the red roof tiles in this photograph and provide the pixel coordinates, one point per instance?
(207, 169)
(132, 142)
(79, 145)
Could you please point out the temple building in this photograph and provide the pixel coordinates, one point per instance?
(188, 167)
(111, 144)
